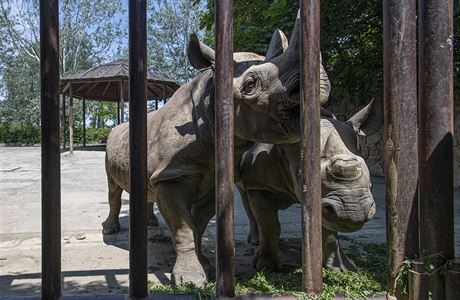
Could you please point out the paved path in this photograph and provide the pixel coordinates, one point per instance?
(92, 263)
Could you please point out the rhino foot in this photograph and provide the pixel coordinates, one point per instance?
(265, 263)
(153, 220)
(188, 270)
(339, 262)
(110, 227)
(253, 238)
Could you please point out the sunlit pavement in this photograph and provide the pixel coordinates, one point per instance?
(94, 264)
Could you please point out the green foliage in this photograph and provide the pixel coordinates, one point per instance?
(19, 134)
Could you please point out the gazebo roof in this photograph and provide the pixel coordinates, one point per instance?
(103, 83)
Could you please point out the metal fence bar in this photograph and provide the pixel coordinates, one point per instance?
(310, 143)
(51, 160)
(401, 161)
(436, 133)
(137, 149)
(225, 248)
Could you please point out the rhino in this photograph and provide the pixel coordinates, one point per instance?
(269, 182)
(180, 142)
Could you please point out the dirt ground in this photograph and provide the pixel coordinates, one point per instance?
(92, 263)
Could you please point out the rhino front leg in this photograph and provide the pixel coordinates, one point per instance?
(333, 256)
(253, 235)
(153, 220)
(174, 200)
(112, 224)
(265, 208)
(201, 215)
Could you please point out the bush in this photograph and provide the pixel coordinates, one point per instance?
(19, 134)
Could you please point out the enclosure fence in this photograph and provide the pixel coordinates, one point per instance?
(417, 121)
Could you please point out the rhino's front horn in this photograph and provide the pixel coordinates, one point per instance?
(345, 167)
(293, 49)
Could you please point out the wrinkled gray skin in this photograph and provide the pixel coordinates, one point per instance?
(180, 143)
(269, 182)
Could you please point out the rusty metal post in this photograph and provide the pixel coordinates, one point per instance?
(310, 143)
(401, 161)
(419, 281)
(453, 280)
(137, 149)
(71, 120)
(84, 122)
(51, 157)
(436, 133)
(225, 248)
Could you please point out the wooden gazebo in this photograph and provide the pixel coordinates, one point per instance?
(108, 82)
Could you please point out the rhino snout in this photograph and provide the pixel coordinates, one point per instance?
(345, 167)
(347, 215)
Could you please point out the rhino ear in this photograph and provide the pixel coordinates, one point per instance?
(368, 120)
(278, 45)
(199, 55)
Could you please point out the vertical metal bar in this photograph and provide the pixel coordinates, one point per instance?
(63, 122)
(84, 122)
(436, 133)
(453, 279)
(418, 281)
(310, 143)
(401, 161)
(137, 149)
(122, 103)
(71, 120)
(51, 159)
(225, 248)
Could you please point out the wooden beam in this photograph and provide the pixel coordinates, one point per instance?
(71, 120)
(401, 161)
(84, 123)
(50, 152)
(137, 149)
(436, 134)
(225, 247)
(310, 142)
(122, 103)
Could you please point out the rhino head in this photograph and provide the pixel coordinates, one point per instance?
(347, 200)
(265, 89)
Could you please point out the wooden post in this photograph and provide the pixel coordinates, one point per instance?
(71, 120)
(137, 149)
(225, 246)
(51, 157)
(436, 134)
(453, 279)
(84, 122)
(419, 281)
(63, 122)
(118, 112)
(310, 146)
(401, 161)
(122, 103)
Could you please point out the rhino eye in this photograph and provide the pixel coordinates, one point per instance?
(249, 86)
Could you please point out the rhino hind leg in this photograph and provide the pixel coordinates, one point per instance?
(153, 220)
(112, 224)
(174, 200)
(333, 256)
(201, 216)
(253, 235)
(264, 206)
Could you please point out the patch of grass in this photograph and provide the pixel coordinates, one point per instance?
(369, 280)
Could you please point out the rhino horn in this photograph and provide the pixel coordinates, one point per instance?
(294, 43)
(278, 45)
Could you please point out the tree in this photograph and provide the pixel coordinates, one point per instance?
(170, 24)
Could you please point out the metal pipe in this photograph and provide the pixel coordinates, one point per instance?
(50, 144)
(419, 282)
(400, 102)
(310, 146)
(137, 149)
(436, 133)
(225, 246)
(453, 279)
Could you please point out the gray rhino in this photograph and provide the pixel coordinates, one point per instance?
(181, 142)
(269, 182)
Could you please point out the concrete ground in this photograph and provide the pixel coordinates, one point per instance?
(92, 263)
